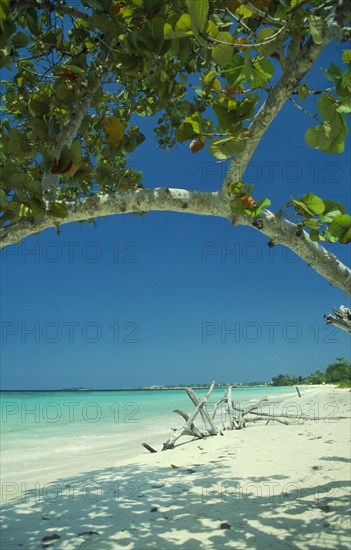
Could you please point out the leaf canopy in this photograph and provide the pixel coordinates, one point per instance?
(77, 76)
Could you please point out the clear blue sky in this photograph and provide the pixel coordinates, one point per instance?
(173, 298)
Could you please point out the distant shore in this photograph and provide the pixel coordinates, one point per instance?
(268, 486)
(158, 388)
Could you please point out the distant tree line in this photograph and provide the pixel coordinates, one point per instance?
(336, 373)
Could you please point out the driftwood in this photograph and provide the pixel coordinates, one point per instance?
(217, 405)
(193, 430)
(169, 444)
(230, 408)
(203, 411)
(341, 318)
(149, 448)
(238, 417)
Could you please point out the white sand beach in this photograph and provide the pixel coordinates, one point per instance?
(264, 487)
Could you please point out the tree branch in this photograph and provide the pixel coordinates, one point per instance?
(131, 201)
(271, 107)
(68, 133)
(279, 94)
(286, 233)
(278, 230)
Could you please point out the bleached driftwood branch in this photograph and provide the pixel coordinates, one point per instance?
(187, 426)
(239, 417)
(203, 411)
(341, 318)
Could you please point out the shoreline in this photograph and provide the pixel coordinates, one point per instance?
(25, 461)
(266, 486)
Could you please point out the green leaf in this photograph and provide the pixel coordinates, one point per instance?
(76, 151)
(236, 206)
(64, 92)
(235, 72)
(313, 203)
(39, 129)
(37, 207)
(310, 204)
(238, 188)
(346, 237)
(58, 210)
(20, 40)
(104, 175)
(315, 236)
(3, 199)
(198, 10)
(343, 88)
(18, 144)
(189, 128)
(260, 205)
(340, 228)
(327, 105)
(312, 224)
(331, 211)
(31, 18)
(302, 92)
(333, 73)
(316, 24)
(270, 46)
(65, 159)
(222, 53)
(223, 149)
(338, 131)
(211, 29)
(344, 105)
(318, 137)
(260, 72)
(114, 130)
(346, 56)
(74, 69)
(39, 104)
(244, 12)
(247, 106)
(14, 143)
(227, 112)
(181, 28)
(4, 11)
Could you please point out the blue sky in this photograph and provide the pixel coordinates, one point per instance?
(171, 298)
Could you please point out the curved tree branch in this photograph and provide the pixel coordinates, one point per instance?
(131, 201)
(286, 233)
(278, 230)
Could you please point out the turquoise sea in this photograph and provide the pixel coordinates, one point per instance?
(46, 434)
